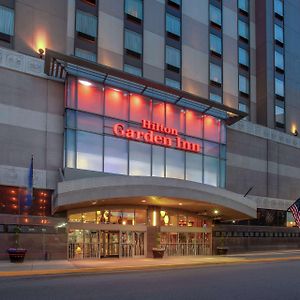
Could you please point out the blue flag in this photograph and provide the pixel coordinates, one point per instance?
(29, 194)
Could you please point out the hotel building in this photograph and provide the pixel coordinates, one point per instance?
(151, 123)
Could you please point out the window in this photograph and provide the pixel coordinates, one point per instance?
(279, 60)
(158, 161)
(279, 87)
(243, 84)
(243, 57)
(173, 57)
(278, 7)
(243, 107)
(174, 164)
(86, 24)
(215, 73)
(278, 33)
(279, 112)
(134, 8)
(85, 54)
(173, 25)
(139, 159)
(133, 41)
(132, 70)
(215, 44)
(173, 83)
(89, 151)
(243, 5)
(7, 21)
(243, 29)
(194, 167)
(215, 97)
(215, 15)
(211, 170)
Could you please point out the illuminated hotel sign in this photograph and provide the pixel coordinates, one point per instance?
(172, 139)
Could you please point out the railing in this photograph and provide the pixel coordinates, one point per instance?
(184, 249)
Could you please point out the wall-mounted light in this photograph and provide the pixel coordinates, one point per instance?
(295, 132)
(41, 53)
(84, 82)
(154, 218)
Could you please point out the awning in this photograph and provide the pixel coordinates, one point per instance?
(58, 65)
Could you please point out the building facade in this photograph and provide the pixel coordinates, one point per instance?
(151, 123)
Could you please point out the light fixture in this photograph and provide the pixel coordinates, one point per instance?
(124, 222)
(154, 218)
(180, 203)
(41, 53)
(84, 82)
(216, 211)
(166, 219)
(233, 221)
(295, 132)
(162, 213)
(94, 202)
(143, 201)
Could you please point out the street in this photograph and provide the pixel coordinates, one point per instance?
(276, 280)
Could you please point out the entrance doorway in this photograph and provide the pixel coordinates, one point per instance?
(86, 244)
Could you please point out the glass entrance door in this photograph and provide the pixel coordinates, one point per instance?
(109, 241)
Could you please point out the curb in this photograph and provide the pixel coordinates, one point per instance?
(111, 270)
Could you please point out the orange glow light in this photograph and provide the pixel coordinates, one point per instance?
(40, 40)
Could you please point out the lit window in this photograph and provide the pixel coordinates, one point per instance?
(86, 24)
(278, 7)
(243, 29)
(215, 15)
(173, 83)
(134, 8)
(279, 112)
(215, 44)
(215, 97)
(279, 87)
(215, 73)
(133, 41)
(278, 33)
(279, 60)
(243, 5)
(85, 54)
(243, 57)
(173, 57)
(173, 24)
(133, 70)
(243, 84)
(7, 17)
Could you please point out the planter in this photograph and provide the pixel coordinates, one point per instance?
(16, 255)
(158, 252)
(222, 250)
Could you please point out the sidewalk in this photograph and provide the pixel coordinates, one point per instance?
(60, 267)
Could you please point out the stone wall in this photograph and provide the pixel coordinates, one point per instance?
(37, 244)
(240, 239)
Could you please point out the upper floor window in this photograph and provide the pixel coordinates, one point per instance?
(173, 57)
(243, 57)
(86, 24)
(279, 62)
(85, 54)
(134, 8)
(279, 87)
(243, 5)
(243, 84)
(133, 70)
(279, 113)
(243, 29)
(215, 15)
(7, 17)
(215, 97)
(215, 73)
(173, 25)
(215, 44)
(278, 7)
(133, 42)
(173, 83)
(243, 107)
(278, 33)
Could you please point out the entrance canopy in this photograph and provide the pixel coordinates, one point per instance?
(144, 191)
(59, 65)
